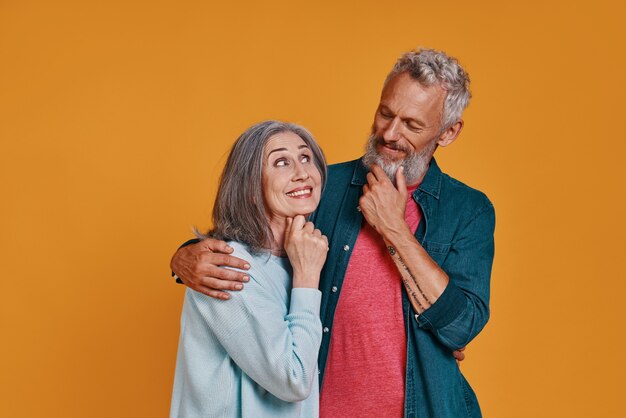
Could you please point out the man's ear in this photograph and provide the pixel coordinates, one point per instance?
(449, 135)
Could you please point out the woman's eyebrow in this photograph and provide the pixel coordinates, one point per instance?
(285, 149)
(276, 150)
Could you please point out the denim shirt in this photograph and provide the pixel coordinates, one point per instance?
(457, 232)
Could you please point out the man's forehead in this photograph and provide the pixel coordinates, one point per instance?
(405, 94)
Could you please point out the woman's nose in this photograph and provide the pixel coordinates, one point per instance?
(300, 172)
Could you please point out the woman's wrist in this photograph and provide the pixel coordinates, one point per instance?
(306, 280)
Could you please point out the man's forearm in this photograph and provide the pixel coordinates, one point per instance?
(459, 289)
(423, 279)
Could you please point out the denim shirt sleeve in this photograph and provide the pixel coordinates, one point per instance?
(186, 243)
(462, 310)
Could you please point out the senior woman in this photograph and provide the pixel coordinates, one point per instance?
(255, 355)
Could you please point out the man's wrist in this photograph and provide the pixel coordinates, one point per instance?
(396, 235)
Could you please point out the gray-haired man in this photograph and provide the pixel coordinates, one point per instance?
(406, 281)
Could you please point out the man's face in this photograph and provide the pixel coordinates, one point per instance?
(407, 127)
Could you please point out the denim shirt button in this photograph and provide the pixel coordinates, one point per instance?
(416, 316)
(346, 247)
(325, 329)
(333, 289)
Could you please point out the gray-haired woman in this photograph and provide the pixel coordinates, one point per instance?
(256, 354)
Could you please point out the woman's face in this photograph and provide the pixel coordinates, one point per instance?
(291, 180)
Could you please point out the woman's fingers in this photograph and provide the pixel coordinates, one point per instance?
(298, 222)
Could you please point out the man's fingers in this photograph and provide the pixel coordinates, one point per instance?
(218, 246)
(223, 274)
(378, 172)
(218, 259)
(401, 180)
(220, 283)
(371, 178)
(215, 294)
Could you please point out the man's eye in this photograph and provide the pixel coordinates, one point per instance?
(385, 115)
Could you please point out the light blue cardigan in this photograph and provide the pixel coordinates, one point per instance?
(254, 355)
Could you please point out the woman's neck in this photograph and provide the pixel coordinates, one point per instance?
(278, 225)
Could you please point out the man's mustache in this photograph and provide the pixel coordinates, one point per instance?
(393, 145)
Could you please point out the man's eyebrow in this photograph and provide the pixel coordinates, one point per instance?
(418, 121)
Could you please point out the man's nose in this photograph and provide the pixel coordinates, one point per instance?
(391, 132)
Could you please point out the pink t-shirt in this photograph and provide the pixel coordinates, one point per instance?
(365, 369)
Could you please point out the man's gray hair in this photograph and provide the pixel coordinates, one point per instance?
(430, 67)
(239, 210)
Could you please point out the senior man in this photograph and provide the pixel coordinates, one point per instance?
(406, 282)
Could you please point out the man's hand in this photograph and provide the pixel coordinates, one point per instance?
(382, 204)
(459, 355)
(200, 266)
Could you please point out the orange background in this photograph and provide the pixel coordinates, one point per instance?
(115, 117)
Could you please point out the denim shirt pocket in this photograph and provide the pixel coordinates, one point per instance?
(437, 251)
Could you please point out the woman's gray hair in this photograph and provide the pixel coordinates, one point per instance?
(239, 209)
(430, 67)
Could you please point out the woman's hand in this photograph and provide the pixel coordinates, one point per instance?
(307, 249)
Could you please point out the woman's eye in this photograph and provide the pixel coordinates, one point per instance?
(280, 163)
(305, 159)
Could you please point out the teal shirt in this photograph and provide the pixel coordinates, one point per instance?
(254, 355)
(456, 230)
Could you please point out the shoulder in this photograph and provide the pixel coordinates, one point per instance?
(460, 190)
(339, 176)
(264, 268)
(241, 250)
(265, 290)
(342, 172)
(346, 166)
(469, 206)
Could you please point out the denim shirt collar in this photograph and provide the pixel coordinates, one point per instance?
(430, 185)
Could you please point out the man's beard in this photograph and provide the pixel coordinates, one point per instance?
(415, 163)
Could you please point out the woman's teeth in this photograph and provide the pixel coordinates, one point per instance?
(299, 193)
